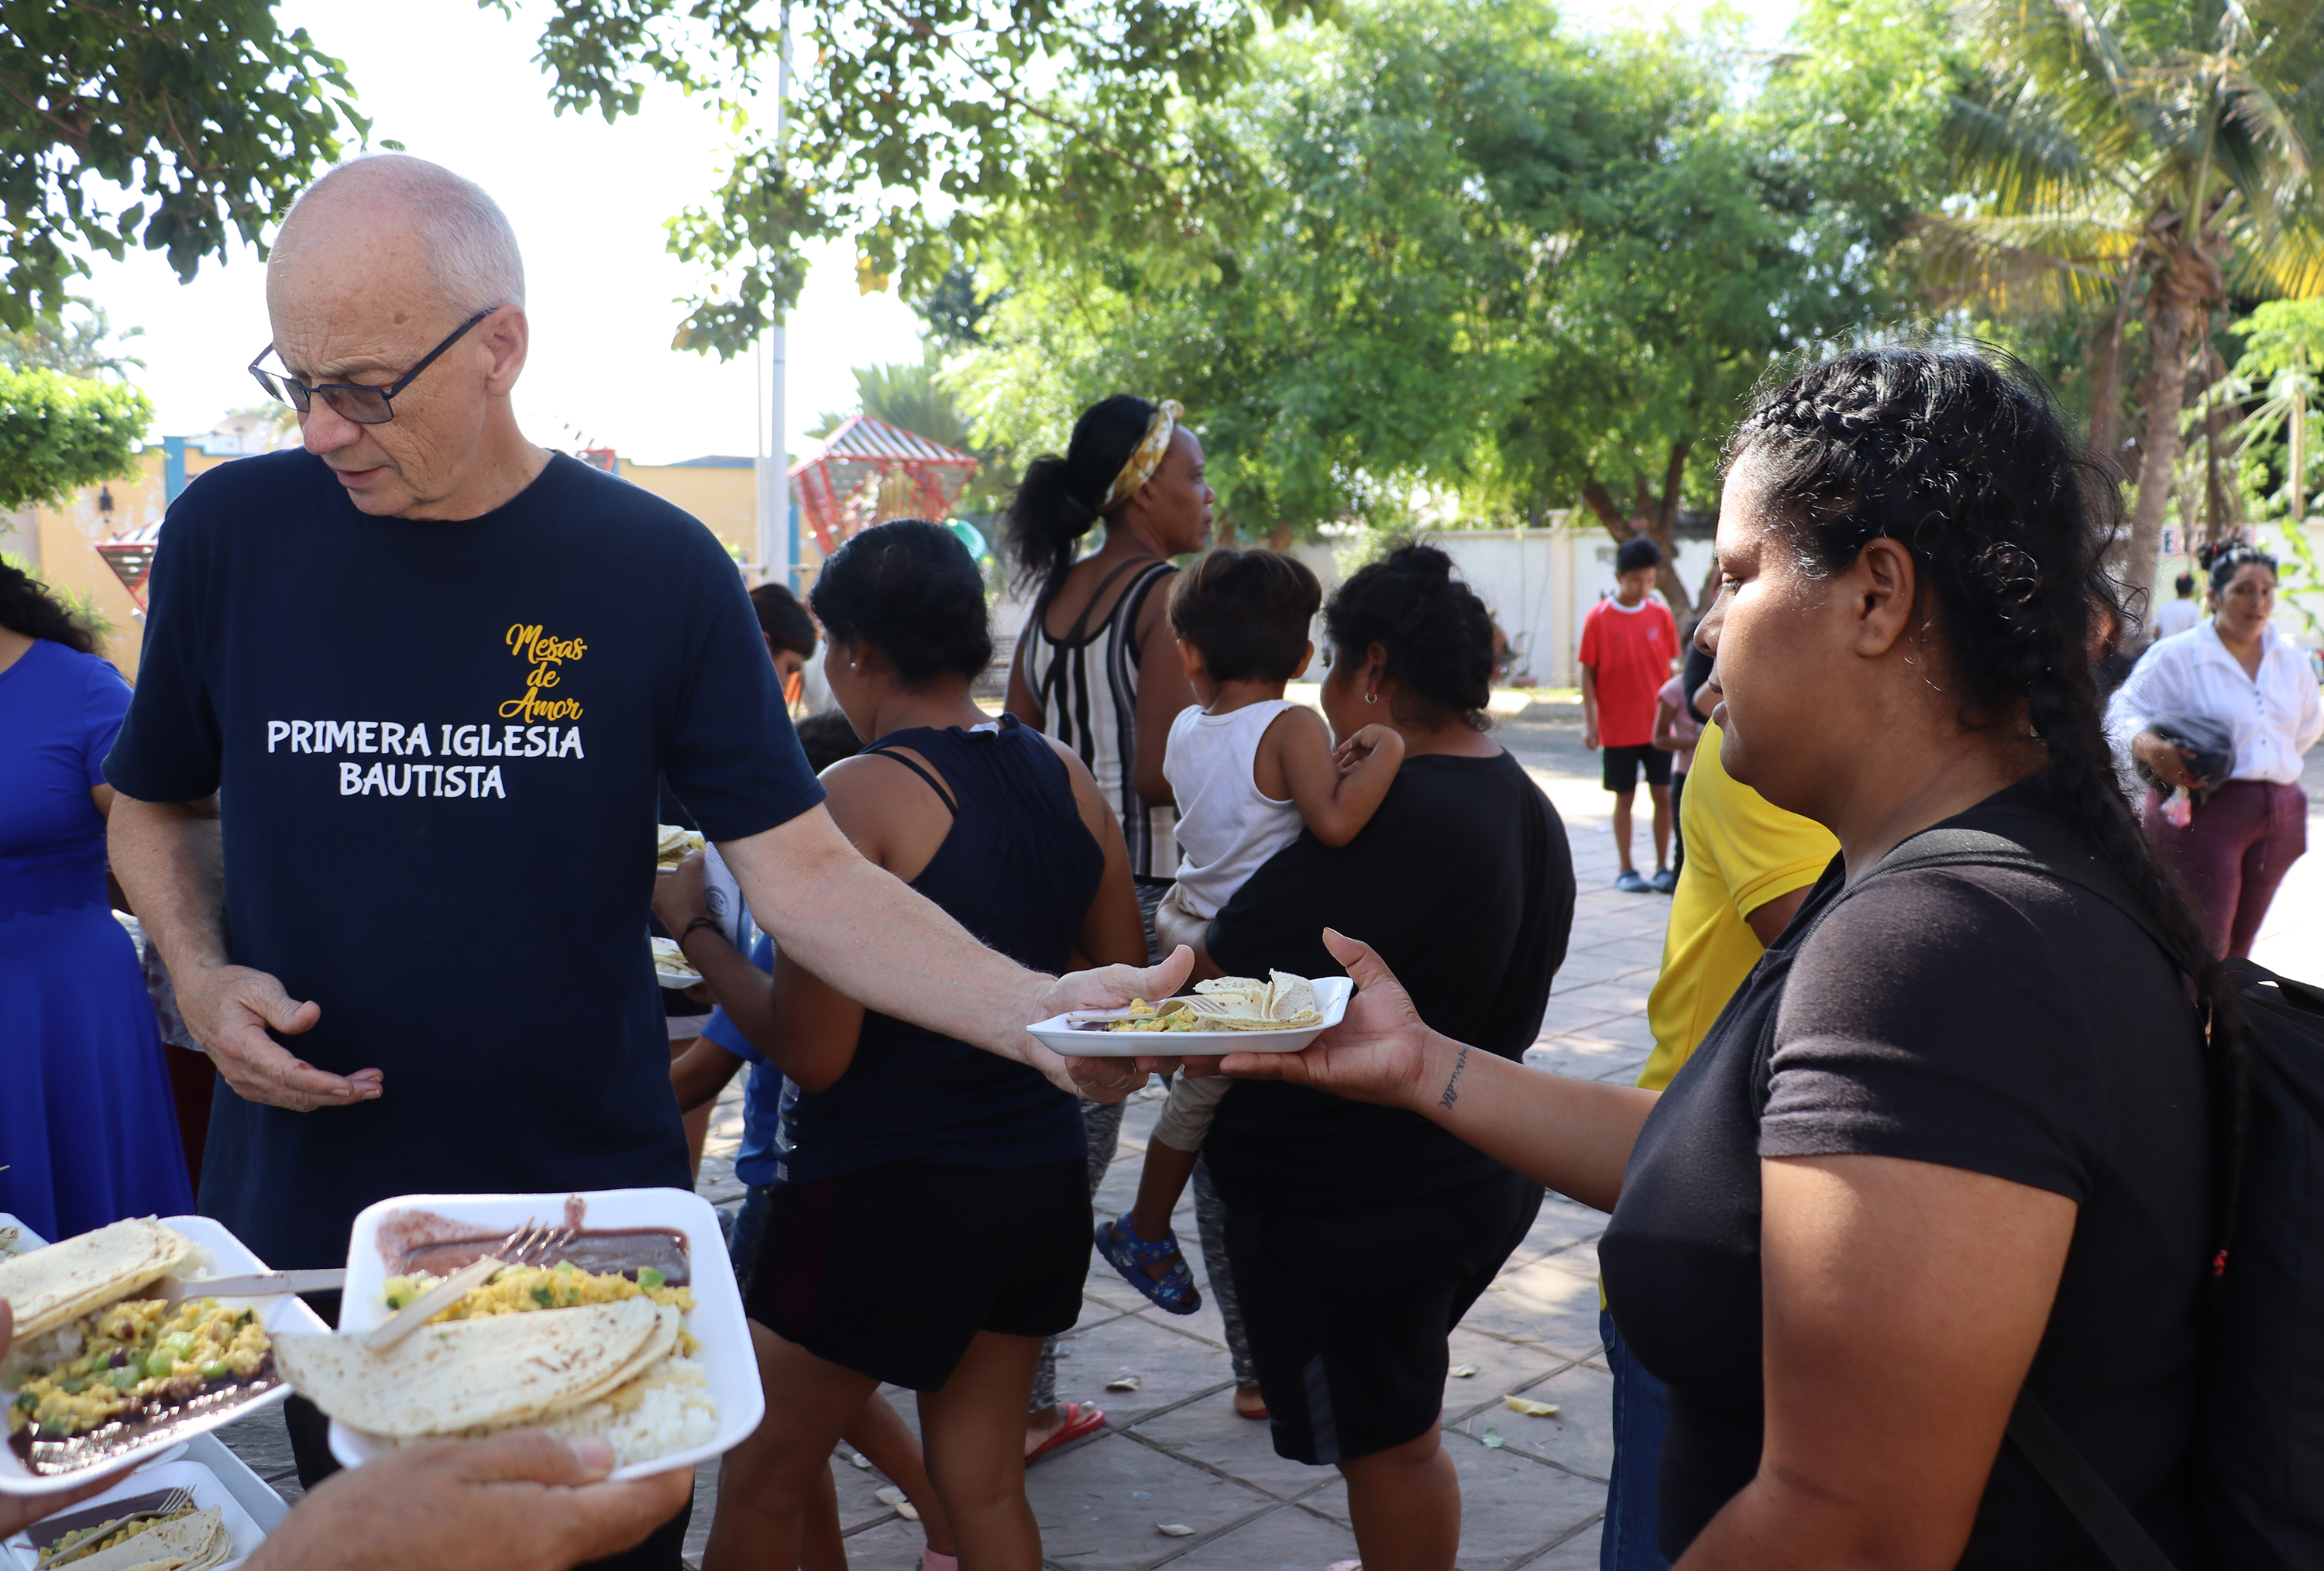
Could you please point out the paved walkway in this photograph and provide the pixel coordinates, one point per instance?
(1173, 1451)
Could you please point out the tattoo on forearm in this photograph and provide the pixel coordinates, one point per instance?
(1451, 1095)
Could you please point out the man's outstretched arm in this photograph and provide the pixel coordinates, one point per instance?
(168, 860)
(865, 932)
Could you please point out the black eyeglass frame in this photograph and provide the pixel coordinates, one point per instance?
(290, 390)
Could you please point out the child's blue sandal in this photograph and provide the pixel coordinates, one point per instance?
(1127, 1254)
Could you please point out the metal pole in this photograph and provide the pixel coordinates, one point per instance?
(774, 474)
(2299, 450)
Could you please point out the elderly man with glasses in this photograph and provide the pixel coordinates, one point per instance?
(387, 786)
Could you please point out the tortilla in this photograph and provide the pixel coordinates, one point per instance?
(193, 1543)
(458, 1375)
(660, 1345)
(51, 1286)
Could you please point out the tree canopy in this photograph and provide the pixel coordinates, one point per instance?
(202, 117)
(59, 433)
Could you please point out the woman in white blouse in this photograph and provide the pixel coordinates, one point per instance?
(2237, 670)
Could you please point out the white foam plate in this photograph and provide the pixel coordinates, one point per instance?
(228, 1256)
(207, 1487)
(717, 1320)
(1066, 1034)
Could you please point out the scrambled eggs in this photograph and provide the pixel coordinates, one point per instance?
(563, 1286)
(96, 1540)
(134, 1354)
(1144, 1017)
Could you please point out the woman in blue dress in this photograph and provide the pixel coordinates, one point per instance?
(88, 1133)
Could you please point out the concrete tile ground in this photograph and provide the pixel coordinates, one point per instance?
(1173, 1451)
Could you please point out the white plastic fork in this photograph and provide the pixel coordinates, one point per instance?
(529, 1244)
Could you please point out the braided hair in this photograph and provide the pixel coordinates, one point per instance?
(1437, 635)
(1960, 456)
(1057, 500)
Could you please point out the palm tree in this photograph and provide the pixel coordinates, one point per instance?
(2144, 154)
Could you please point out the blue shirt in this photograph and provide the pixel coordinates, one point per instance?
(764, 1093)
(437, 747)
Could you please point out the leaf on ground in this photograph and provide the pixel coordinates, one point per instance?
(1174, 1530)
(1464, 1371)
(1530, 1407)
(1125, 1382)
(1492, 1439)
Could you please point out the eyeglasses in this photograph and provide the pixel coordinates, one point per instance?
(365, 406)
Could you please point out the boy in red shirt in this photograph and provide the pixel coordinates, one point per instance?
(1627, 645)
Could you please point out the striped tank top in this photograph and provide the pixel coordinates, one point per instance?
(1086, 684)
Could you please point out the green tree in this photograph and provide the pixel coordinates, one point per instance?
(59, 433)
(2147, 156)
(925, 128)
(77, 347)
(196, 117)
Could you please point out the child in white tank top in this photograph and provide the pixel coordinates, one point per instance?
(1249, 769)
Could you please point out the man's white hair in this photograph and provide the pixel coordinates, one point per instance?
(471, 247)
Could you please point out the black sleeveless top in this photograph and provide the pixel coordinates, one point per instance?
(1018, 869)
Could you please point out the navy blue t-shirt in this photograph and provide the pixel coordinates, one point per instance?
(436, 746)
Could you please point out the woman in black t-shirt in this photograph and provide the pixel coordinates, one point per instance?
(1359, 1236)
(1984, 1160)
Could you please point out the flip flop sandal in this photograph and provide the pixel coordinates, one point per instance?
(932, 1561)
(1126, 1252)
(1081, 1418)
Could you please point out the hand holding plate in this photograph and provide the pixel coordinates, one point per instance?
(1105, 987)
(1379, 1052)
(681, 893)
(230, 1008)
(521, 1502)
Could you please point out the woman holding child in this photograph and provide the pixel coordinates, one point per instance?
(1948, 1142)
(858, 1281)
(1360, 1236)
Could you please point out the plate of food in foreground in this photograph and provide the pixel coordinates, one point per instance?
(673, 844)
(670, 968)
(118, 1356)
(173, 1516)
(1226, 1015)
(616, 1315)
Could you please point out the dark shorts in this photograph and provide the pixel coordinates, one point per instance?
(1348, 1315)
(1623, 764)
(893, 1270)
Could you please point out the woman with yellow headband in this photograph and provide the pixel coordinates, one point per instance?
(1096, 668)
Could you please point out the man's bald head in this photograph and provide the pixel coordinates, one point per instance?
(390, 211)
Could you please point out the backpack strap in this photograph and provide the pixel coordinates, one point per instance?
(2077, 1484)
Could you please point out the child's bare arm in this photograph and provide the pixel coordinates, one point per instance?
(1335, 802)
(1590, 707)
(1665, 718)
(701, 1072)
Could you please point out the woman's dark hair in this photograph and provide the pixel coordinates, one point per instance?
(2224, 561)
(28, 606)
(1058, 499)
(783, 619)
(911, 589)
(1436, 632)
(1248, 611)
(1960, 456)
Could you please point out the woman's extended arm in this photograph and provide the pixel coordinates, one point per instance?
(1112, 933)
(1573, 1135)
(1162, 691)
(1904, 1302)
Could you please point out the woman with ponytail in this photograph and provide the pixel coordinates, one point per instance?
(1952, 1139)
(1097, 669)
(89, 1132)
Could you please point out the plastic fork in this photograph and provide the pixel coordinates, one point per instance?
(531, 1245)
